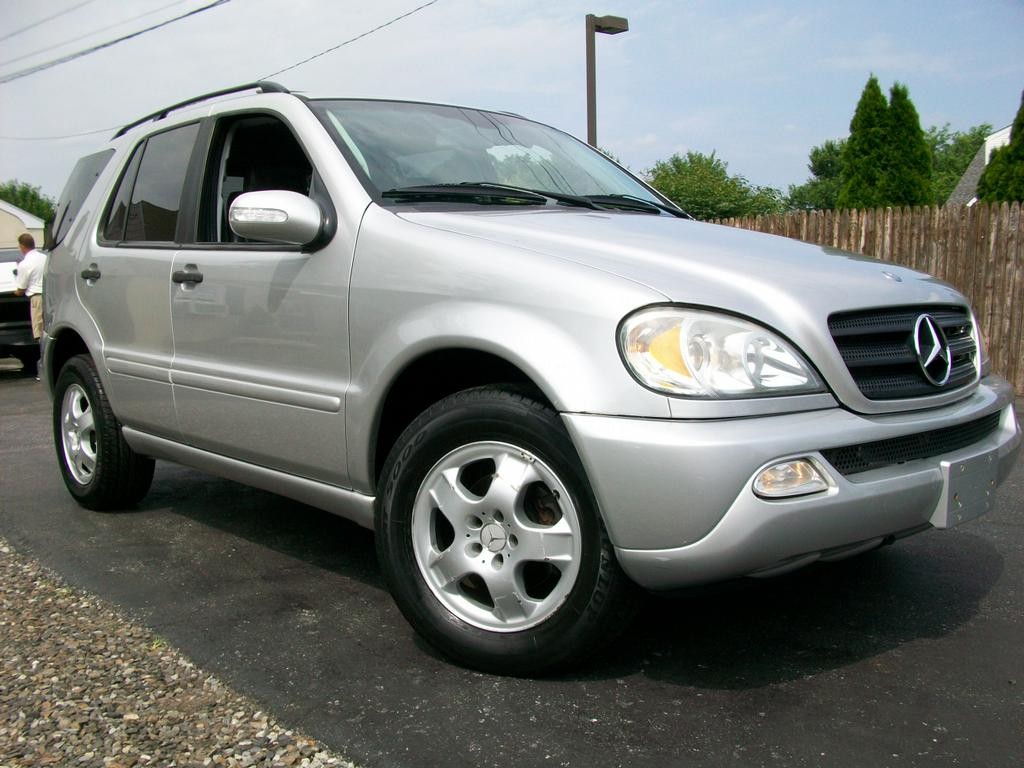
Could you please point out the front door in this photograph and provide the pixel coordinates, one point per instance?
(261, 331)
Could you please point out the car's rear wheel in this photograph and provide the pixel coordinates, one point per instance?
(489, 537)
(99, 468)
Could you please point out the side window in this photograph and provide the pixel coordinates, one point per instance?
(146, 204)
(113, 229)
(249, 154)
(80, 183)
(156, 198)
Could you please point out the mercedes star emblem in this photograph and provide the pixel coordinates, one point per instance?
(493, 537)
(933, 354)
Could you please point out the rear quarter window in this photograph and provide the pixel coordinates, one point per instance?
(80, 183)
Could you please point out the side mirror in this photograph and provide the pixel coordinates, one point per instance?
(276, 216)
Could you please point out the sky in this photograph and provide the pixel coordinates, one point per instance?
(758, 83)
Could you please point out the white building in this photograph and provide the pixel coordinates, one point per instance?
(14, 222)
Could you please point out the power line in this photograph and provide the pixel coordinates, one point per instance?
(346, 42)
(43, 21)
(88, 34)
(265, 77)
(101, 46)
(55, 138)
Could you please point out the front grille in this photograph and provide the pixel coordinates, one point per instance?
(851, 459)
(878, 349)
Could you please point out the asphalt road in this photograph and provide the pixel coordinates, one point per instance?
(911, 655)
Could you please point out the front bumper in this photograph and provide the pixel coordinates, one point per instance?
(677, 498)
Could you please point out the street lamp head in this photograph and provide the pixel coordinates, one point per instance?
(610, 25)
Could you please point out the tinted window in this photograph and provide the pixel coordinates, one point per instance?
(81, 182)
(156, 197)
(114, 227)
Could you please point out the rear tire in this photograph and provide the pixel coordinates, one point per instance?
(99, 468)
(490, 540)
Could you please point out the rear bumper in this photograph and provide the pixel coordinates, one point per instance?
(678, 502)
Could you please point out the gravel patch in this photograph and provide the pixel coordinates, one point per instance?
(82, 685)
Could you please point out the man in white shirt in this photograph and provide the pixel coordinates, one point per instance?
(29, 281)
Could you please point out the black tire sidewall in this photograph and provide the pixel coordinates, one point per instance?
(500, 416)
(120, 477)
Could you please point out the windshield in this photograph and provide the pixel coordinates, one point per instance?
(399, 145)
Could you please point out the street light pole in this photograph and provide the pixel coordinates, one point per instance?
(607, 25)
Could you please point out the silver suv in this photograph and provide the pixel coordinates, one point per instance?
(526, 370)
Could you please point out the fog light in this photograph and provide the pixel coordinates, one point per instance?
(797, 477)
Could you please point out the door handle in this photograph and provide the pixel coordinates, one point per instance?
(91, 273)
(190, 274)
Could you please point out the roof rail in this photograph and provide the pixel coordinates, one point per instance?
(263, 86)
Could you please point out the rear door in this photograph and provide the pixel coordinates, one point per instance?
(124, 280)
(261, 330)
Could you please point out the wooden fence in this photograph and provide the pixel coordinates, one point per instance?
(979, 249)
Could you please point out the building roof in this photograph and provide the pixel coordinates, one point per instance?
(27, 219)
(966, 190)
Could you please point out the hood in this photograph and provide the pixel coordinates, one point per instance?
(787, 285)
(697, 263)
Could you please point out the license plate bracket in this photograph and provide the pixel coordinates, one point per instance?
(969, 489)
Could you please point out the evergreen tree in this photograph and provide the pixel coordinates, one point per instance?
(1003, 178)
(907, 171)
(866, 153)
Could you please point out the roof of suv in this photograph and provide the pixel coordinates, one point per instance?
(262, 86)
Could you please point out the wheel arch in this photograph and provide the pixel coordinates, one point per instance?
(431, 377)
(64, 344)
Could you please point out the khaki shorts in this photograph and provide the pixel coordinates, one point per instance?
(36, 305)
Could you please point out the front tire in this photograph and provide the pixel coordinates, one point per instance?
(99, 468)
(490, 539)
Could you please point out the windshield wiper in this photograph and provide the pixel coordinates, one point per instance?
(481, 193)
(559, 197)
(633, 203)
(486, 192)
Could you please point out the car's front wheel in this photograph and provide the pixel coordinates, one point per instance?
(490, 539)
(99, 468)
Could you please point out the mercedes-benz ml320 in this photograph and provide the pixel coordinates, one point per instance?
(525, 369)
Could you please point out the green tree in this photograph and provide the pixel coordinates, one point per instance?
(952, 152)
(28, 198)
(701, 185)
(820, 192)
(1003, 177)
(866, 153)
(907, 170)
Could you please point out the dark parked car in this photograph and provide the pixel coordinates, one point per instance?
(15, 321)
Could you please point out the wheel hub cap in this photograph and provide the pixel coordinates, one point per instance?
(493, 537)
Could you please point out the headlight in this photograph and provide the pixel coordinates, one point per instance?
(704, 354)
